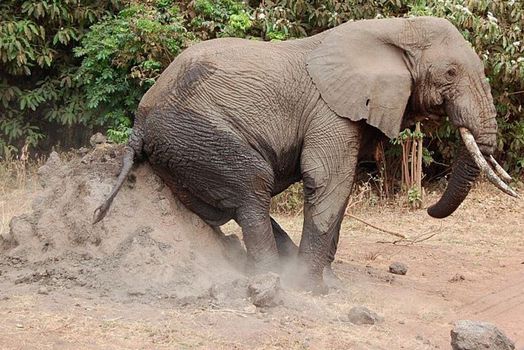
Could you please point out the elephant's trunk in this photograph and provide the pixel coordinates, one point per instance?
(463, 175)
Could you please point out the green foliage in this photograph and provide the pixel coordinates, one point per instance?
(299, 18)
(290, 201)
(219, 18)
(414, 197)
(37, 64)
(120, 133)
(123, 55)
(407, 134)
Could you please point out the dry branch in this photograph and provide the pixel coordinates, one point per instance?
(396, 234)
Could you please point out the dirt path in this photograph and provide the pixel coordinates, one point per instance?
(472, 268)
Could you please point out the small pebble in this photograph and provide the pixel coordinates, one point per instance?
(43, 290)
(362, 315)
(457, 278)
(398, 268)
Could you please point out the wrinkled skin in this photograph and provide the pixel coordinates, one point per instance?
(232, 122)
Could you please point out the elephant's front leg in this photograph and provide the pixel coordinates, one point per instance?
(328, 166)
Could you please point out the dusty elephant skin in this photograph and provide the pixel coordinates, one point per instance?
(232, 122)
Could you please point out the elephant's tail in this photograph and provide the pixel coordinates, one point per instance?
(133, 147)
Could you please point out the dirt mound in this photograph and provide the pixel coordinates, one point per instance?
(148, 245)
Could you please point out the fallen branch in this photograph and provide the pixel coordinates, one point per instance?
(410, 241)
(396, 234)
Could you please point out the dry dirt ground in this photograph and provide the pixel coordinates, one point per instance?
(153, 276)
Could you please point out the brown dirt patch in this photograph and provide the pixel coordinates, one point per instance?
(152, 275)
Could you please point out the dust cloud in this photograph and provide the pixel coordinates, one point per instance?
(148, 246)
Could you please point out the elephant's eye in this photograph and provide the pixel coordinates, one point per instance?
(451, 72)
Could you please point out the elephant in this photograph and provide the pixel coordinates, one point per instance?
(233, 122)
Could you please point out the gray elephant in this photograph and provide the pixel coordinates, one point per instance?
(232, 122)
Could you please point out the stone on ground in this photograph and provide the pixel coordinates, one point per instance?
(264, 290)
(472, 335)
(362, 315)
(398, 268)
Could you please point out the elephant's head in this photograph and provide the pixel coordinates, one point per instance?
(375, 69)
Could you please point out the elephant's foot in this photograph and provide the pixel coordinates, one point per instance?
(322, 285)
(263, 265)
(315, 287)
(332, 280)
(302, 280)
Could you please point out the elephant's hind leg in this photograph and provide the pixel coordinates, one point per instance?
(223, 174)
(258, 235)
(285, 246)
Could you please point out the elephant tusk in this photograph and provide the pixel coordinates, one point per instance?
(498, 169)
(472, 147)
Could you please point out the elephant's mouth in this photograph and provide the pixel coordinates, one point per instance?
(467, 167)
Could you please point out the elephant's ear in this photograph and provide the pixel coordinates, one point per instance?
(362, 75)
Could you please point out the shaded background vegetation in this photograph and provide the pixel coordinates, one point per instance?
(72, 67)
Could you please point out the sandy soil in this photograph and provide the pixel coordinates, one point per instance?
(153, 276)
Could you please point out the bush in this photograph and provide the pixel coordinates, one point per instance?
(95, 77)
(290, 201)
(37, 64)
(122, 56)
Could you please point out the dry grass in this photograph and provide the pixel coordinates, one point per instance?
(17, 184)
(365, 196)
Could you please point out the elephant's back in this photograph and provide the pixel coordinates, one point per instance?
(226, 61)
(193, 65)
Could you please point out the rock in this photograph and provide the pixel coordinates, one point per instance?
(97, 139)
(165, 207)
(472, 335)
(21, 229)
(82, 151)
(457, 278)
(398, 268)
(362, 315)
(43, 290)
(264, 290)
(250, 309)
(54, 160)
(50, 167)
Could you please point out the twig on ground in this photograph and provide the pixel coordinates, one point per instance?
(396, 234)
(410, 241)
(215, 308)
